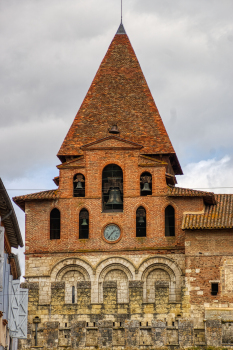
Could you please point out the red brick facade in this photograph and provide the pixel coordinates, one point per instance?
(179, 269)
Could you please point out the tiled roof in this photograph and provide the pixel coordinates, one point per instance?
(119, 94)
(187, 192)
(217, 216)
(45, 195)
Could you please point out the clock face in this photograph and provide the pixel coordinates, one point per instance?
(112, 233)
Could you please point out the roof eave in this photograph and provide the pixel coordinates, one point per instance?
(11, 220)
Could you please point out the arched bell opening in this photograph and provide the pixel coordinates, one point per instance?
(83, 224)
(55, 219)
(141, 222)
(79, 185)
(145, 184)
(112, 188)
(169, 221)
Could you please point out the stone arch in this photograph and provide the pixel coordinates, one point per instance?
(115, 260)
(68, 268)
(71, 274)
(69, 264)
(71, 271)
(169, 267)
(117, 274)
(121, 267)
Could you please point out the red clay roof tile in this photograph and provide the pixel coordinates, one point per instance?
(219, 216)
(119, 94)
(45, 195)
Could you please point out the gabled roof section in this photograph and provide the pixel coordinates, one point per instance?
(45, 195)
(119, 94)
(219, 216)
(72, 164)
(9, 218)
(208, 197)
(112, 142)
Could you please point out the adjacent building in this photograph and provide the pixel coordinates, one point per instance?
(13, 299)
(118, 255)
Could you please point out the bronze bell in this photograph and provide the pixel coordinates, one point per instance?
(141, 220)
(114, 130)
(146, 187)
(79, 186)
(84, 223)
(114, 196)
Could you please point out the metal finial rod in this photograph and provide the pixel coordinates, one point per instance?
(121, 11)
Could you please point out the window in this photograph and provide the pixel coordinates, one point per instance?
(79, 185)
(55, 224)
(73, 294)
(169, 221)
(145, 184)
(141, 222)
(112, 188)
(214, 288)
(83, 224)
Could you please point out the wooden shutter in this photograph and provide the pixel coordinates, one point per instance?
(9, 296)
(14, 308)
(23, 313)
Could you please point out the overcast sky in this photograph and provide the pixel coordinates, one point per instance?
(51, 50)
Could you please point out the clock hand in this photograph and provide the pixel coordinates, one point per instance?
(112, 233)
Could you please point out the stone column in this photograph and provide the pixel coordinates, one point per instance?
(132, 334)
(57, 297)
(110, 297)
(213, 332)
(84, 297)
(50, 335)
(135, 297)
(161, 297)
(159, 333)
(105, 334)
(185, 333)
(78, 334)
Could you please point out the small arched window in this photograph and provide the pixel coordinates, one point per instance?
(169, 221)
(112, 188)
(83, 224)
(79, 185)
(141, 222)
(145, 184)
(55, 224)
(73, 294)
